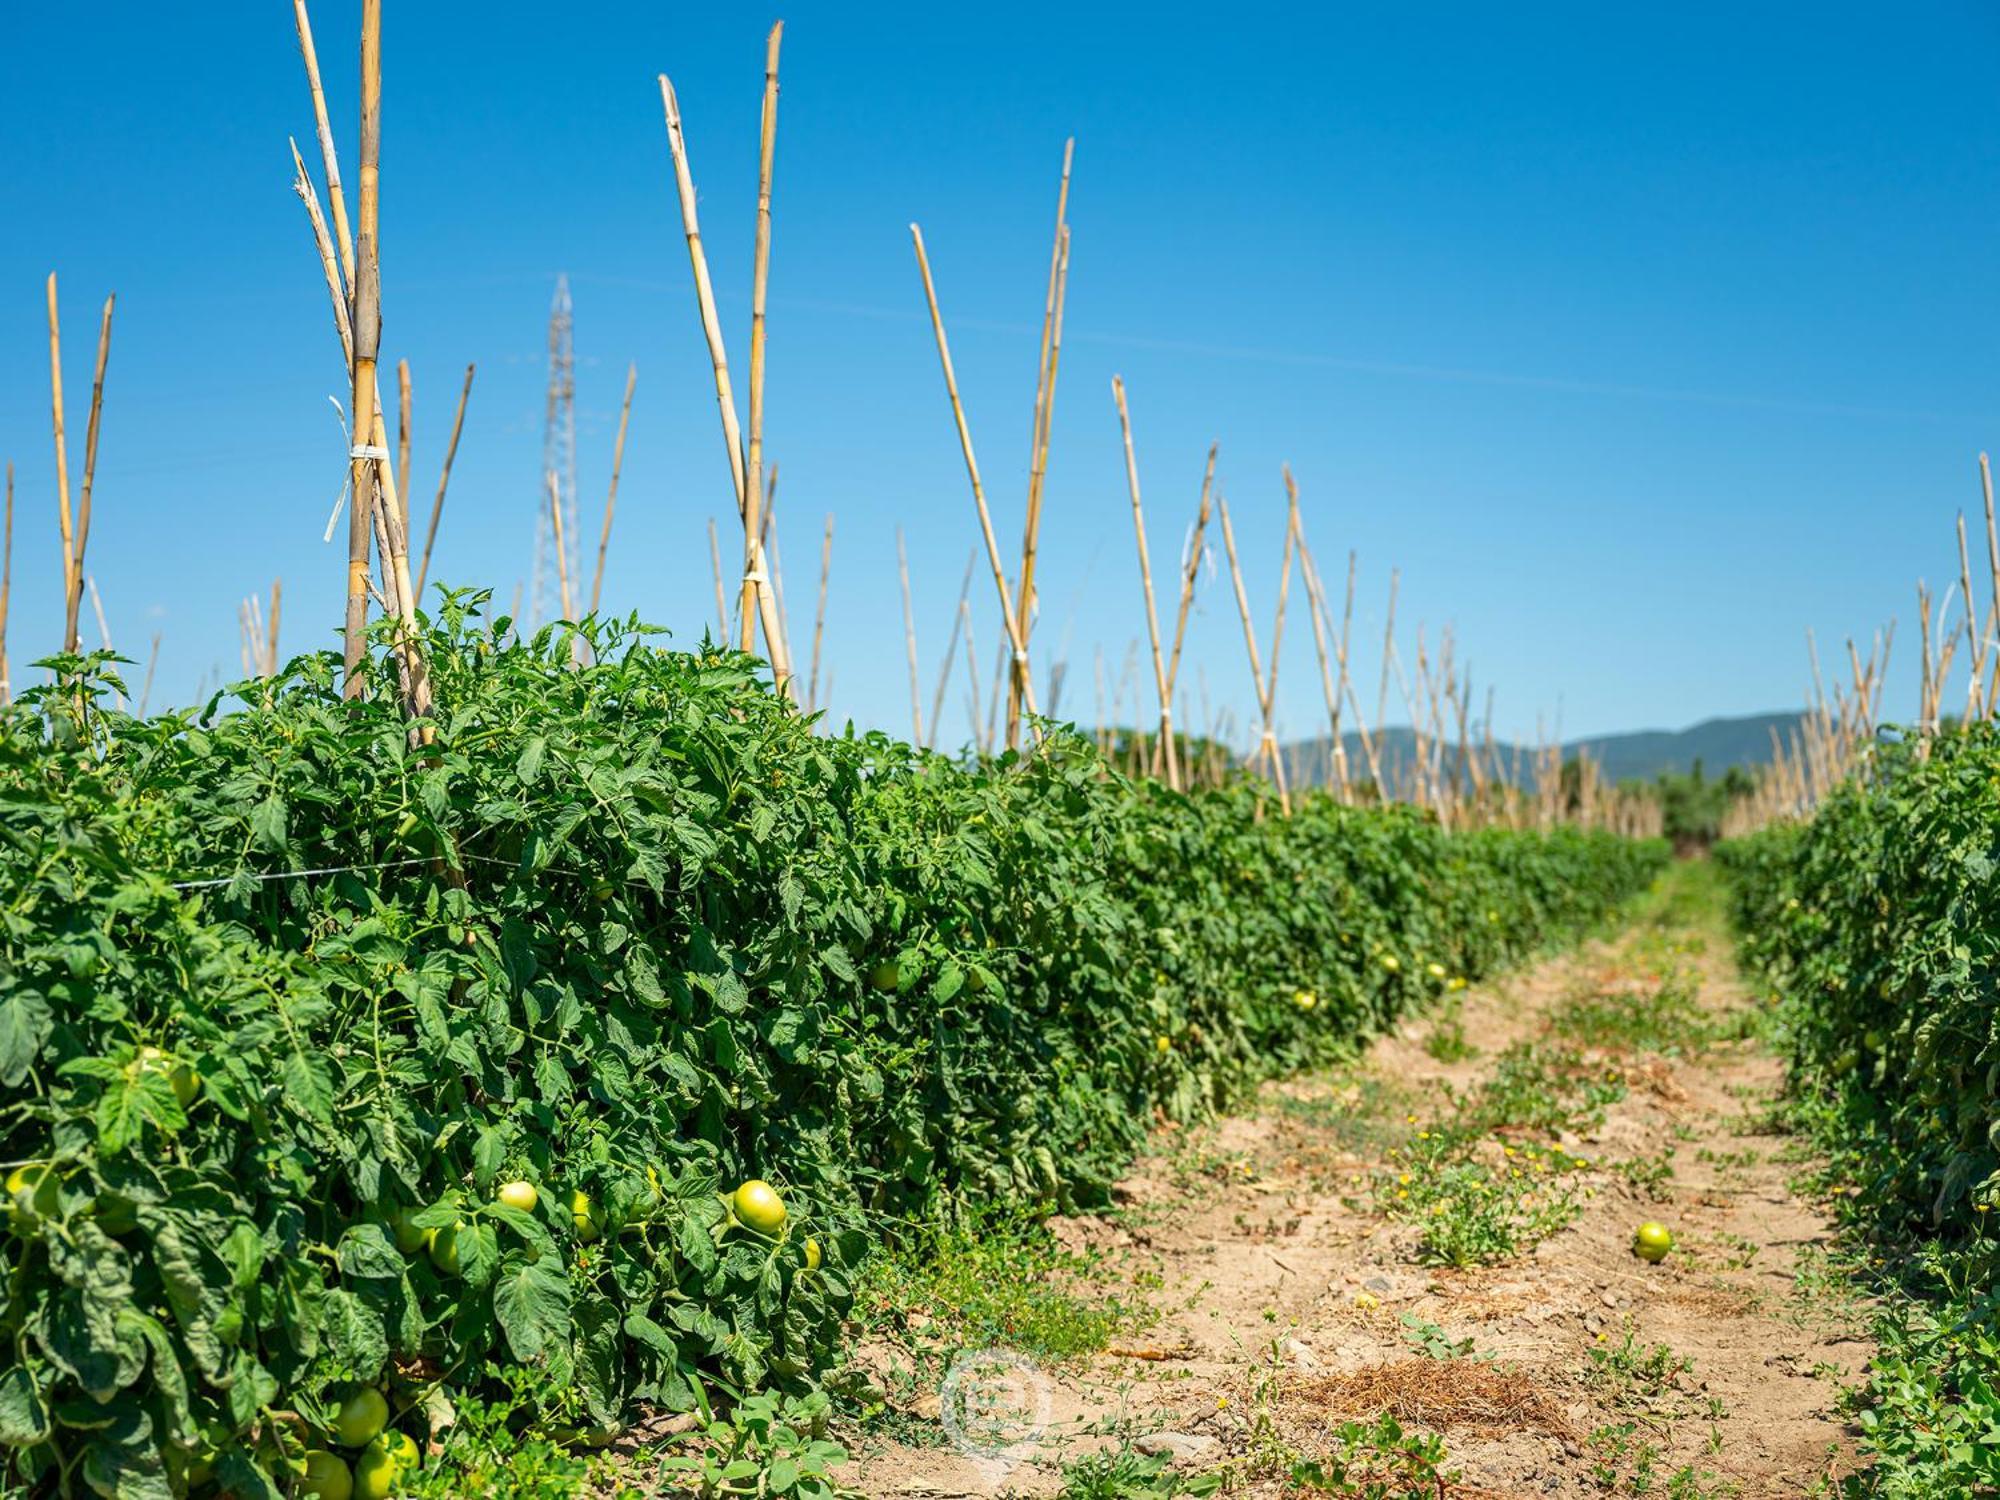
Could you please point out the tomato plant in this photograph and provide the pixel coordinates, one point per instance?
(334, 1062)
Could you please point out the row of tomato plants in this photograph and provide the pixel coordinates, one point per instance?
(1877, 924)
(339, 1067)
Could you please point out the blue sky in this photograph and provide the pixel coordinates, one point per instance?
(1639, 340)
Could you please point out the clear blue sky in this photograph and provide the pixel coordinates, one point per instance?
(1640, 340)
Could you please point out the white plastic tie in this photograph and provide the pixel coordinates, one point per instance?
(369, 450)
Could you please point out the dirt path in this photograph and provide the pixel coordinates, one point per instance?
(1299, 1259)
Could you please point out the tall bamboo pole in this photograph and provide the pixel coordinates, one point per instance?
(1166, 696)
(367, 324)
(90, 450)
(1015, 641)
(444, 479)
(958, 619)
(611, 496)
(1316, 613)
(1284, 578)
(910, 641)
(7, 590)
(404, 401)
(269, 664)
(1267, 746)
(344, 237)
(562, 557)
(1975, 638)
(819, 615)
(1191, 569)
(1038, 440)
(62, 471)
(152, 665)
(759, 283)
(725, 399)
(721, 603)
(1993, 559)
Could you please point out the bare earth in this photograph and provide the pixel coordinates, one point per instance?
(1287, 1302)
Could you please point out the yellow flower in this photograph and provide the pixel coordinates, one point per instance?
(1404, 1179)
(1510, 1150)
(1402, 1192)
(1224, 1400)
(1409, 1119)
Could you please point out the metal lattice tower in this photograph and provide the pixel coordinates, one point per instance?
(559, 459)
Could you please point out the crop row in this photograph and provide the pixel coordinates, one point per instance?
(1879, 924)
(337, 1064)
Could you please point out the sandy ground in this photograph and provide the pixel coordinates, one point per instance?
(1286, 1300)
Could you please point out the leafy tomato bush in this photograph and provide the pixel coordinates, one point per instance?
(1879, 924)
(287, 998)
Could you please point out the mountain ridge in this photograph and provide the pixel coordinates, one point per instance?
(1718, 743)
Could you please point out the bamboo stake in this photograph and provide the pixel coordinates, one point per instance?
(959, 616)
(1165, 692)
(611, 497)
(152, 664)
(819, 617)
(981, 737)
(562, 564)
(444, 479)
(7, 590)
(1388, 650)
(1191, 571)
(910, 640)
(1014, 637)
(1975, 638)
(90, 449)
(1267, 747)
(62, 471)
(721, 604)
(367, 324)
(1993, 559)
(759, 284)
(403, 404)
(271, 639)
(725, 400)
(1315, 612)
(1038, 441)
(336, 287)
(1284, 583)
(328, 155)
(775, 558)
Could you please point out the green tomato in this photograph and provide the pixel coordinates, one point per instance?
(375, 1475)
(410, 1237)
(584, 1216)
(444, 1249)
(757, 1205)
(1652, 1240)
(885, 976)
(181, 1076)
(33, 1193)
(361, 1417)
(327, 1476)
(521, 1195)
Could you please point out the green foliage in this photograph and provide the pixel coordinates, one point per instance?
(287, 989)
(1129, 1475)
(1376, 1460)
(1879, 924)
(1692, 807)
(767, 1446)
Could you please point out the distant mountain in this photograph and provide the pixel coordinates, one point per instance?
(1639, 756)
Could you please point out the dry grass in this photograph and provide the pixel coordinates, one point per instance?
(1435, 1393)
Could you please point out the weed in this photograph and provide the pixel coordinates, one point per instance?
(1129, 1475)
